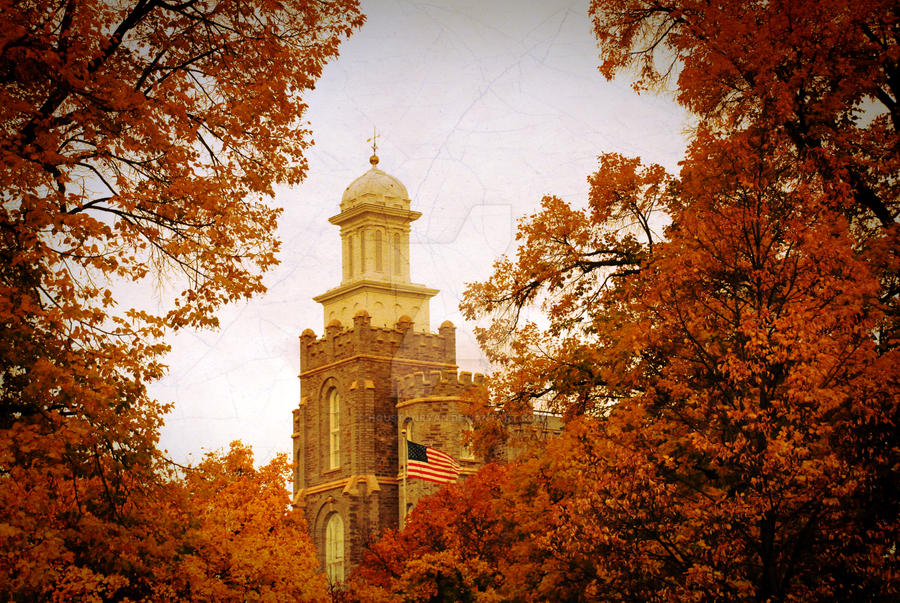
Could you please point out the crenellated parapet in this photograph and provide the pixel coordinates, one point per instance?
(436, 384)
(364, 339)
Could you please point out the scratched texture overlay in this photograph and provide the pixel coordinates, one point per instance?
(481, 109)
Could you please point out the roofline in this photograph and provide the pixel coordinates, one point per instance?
(409, 288)
(373, 208)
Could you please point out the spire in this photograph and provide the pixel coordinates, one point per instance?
(374, 140)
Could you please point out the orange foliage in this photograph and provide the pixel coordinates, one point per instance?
(564, 265)
(138, 141)
(732, 409)
(820, 76)
(723, 344)
(243, 543)
(447, 551)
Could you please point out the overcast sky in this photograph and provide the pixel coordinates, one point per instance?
(482, 108)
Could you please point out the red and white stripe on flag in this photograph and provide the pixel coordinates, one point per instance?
(430, 464)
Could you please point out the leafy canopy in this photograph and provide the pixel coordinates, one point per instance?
(139, 140)
(724, 343)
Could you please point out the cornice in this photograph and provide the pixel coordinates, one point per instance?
(361, 209)
(384, 286)
(391, 359)
(426, 399)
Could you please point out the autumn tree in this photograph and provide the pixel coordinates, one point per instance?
(731, 427)
(140, 139)
(723, 343)
(242, 541)
(820, 78)
(448, 549)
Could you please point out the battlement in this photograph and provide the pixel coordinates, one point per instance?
(362, 338)
(434, 384)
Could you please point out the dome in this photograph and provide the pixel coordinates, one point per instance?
(376, 186)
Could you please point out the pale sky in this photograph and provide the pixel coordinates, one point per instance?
(482, 108)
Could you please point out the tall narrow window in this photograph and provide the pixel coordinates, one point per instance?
(398, 261)
(350, 256)
(334, 549)
(379, 250)
(362, 251)
(466, 451)
(334, 429)
(408, 426)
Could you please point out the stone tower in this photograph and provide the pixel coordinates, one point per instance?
(377, 370)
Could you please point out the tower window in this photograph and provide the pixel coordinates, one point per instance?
(398, 260)
(408, 426)
(350, 256)
(467, 452)
(334, 549)
(362, 251)
(379, 250)
(334, 429)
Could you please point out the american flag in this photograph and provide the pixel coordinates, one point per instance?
(430, 464)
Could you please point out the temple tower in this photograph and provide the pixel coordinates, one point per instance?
(345, 429)
(376, 377)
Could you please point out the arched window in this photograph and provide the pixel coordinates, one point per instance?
(362, 251)
(350, 256)
(408, 426)
(467, 451)
(334, 549)
(334, 429)
(379, 251)
(398, 260)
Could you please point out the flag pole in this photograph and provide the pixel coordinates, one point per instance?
(404, 464)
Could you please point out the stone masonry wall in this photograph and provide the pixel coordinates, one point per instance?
(363, 363)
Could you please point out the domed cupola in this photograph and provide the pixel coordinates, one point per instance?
(377, 187)
(375, 218)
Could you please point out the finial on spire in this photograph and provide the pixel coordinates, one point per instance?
(374, 140)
